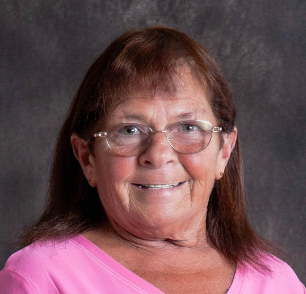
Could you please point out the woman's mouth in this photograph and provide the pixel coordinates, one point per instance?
(158, 186)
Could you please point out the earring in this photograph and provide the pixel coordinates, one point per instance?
(89, 182)
(221, 174)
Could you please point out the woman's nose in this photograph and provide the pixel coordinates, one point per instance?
(158, 153)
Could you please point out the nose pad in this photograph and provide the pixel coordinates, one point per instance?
(167, 138)
(163, 132)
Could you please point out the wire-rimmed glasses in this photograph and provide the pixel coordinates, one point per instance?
(129, 139)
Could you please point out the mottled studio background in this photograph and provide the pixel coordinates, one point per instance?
(47, 46)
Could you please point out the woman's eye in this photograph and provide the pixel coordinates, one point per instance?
(189, 128)
(129, 130)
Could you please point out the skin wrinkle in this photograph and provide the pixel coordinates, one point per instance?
(163, 252)
(136, 206)
(143, 208)
(172, 265)
(128, 117)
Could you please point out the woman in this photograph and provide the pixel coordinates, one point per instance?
(146, 193)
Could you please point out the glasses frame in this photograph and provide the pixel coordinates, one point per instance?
(104, 134)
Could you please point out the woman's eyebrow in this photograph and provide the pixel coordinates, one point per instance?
(186, 115)
(134, 117)
(192, 114)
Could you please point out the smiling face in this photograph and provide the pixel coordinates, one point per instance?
(159, 193)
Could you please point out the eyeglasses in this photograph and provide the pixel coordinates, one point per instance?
(131, 139)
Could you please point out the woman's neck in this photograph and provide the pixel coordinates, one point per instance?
(112, 236)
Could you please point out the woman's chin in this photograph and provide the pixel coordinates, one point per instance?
(158, 223)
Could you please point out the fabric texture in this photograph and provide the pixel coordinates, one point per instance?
(78, 266)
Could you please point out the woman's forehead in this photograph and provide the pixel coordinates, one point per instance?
(185, 98)
(182, 79)
(143, 110)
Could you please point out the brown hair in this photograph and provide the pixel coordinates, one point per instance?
(149, 58)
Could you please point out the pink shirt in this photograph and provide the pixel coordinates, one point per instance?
(78, 266)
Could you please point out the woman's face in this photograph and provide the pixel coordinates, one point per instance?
(166, 211)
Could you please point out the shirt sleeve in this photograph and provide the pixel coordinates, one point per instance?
(293, 283)
(13, 282)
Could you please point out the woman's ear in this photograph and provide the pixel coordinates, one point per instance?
(85, 158)
(229, 142)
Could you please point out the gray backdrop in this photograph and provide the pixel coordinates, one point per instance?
(47, 46)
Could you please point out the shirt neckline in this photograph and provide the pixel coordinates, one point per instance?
(118, 269)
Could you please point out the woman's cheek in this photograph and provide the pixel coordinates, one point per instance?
(113, 183)
(198, 166)
(116, 169)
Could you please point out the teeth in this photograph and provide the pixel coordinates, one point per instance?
(158, 186)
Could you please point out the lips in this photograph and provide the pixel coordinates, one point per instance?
(158, 186)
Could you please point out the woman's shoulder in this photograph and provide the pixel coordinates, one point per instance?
(38, 253)
(279, 270)
(36, 262)
(275, 276)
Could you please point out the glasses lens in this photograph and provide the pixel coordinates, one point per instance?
(128, 140)
(190, 136)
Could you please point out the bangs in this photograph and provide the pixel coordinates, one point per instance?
(144, 62)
